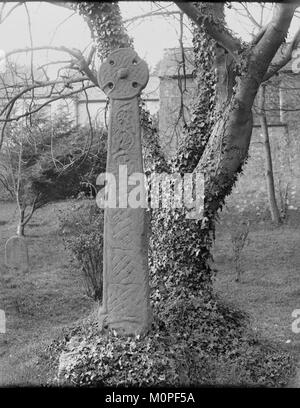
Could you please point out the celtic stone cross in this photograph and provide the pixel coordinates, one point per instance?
(125, 307)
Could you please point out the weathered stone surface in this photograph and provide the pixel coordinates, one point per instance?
(126, 305)
(123, 75)
(16, 253)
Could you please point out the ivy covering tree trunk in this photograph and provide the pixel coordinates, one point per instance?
(193, 333)
(106, 26)
(228, 76)
(240, 69)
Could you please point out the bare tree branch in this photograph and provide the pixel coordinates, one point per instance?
(249, 14)
(3, 18)
(28, 113)
(259, 35)
(41, 85)
(5, 183)
(219, 33)
(32, 210)
(77, 54)
(285, 59)
(59, 25)
(65, 4)
(5, 123)
(151, 14)
(31, 54)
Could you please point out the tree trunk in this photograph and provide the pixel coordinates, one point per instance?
(275, 215)
(227, 148)
(228, 145)
(105, 23)
(20, 230)
(183, 262)
(237, 83)
(21, 226)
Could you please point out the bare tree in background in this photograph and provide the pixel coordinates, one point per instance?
(75, 74)
(275, 215)
(16, 173)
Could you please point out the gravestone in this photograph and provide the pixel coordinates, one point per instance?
(16, 253)
(126, 305)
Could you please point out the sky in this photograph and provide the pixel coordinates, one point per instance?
(52, 25)
(57, 26)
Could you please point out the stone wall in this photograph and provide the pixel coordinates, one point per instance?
(283, 116)
(250, 191)
(175, 94)
(171, 120)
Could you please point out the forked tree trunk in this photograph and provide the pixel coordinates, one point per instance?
(228, 144)
(23, 220)
(227, 148)
(20, 230)
(21, 226)
(275, 215)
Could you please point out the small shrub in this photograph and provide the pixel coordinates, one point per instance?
(82, 231)
(77, 160)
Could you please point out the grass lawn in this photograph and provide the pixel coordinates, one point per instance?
(50, 296)
(270, 286)
(39, 303)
